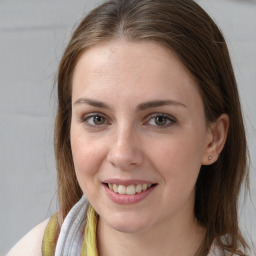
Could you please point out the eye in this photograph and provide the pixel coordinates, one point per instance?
(94, 119)
(97, 120)
(161, 120)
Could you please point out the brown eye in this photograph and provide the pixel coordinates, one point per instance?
(98, 120)
(94, 120)
(160, 120)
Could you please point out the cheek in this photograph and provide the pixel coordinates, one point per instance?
(178, 159)
(178, 162)
(86, 159)
(87, 156)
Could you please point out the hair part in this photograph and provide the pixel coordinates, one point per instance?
(187, 30)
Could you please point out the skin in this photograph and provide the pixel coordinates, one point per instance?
(31, 243)
(128, 143)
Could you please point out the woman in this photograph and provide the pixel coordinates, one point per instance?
(149, 136)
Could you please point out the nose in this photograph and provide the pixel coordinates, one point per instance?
(125, 152)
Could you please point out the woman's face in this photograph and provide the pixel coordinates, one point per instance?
(138, 134)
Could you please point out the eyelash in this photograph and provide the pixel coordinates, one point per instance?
(85, 119)
(169, 119)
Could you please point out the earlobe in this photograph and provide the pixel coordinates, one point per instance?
(217, 136)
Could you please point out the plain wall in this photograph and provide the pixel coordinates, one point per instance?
(33, 35)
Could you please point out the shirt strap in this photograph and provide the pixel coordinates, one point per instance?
(51, 236)
(89, 246)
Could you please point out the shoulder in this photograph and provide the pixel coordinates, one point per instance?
(216, 250)
(31, 243)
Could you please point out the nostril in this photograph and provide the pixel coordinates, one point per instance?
(124, 158)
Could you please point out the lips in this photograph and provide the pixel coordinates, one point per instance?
(130, 189)
(128, 192)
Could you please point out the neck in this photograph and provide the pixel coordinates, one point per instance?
(179, 238)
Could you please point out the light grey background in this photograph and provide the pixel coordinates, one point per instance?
(33, 35)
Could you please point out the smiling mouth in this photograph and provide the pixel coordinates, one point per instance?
(130, 189)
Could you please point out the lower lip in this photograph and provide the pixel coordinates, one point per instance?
(127, 199)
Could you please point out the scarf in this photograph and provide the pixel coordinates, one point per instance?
(77, 235)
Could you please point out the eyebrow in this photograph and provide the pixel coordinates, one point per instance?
(140, 107)
(159, 103)
(91, 102)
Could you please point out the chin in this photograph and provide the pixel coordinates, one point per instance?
(128, 229)
(128, 224)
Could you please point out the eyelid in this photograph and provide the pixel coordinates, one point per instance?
(85, 117)
(161, 114)
(168, 116)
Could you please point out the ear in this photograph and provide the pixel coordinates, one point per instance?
(216, 138)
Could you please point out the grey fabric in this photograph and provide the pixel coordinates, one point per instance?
(72, 230)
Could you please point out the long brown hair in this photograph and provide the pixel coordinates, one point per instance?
(186, 29)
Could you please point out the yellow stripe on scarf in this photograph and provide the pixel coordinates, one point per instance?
(50, 236)
(89, 247)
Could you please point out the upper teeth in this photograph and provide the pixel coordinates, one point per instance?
(128, 190)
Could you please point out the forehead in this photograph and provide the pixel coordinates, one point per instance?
(135, 68)
(128, 56)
